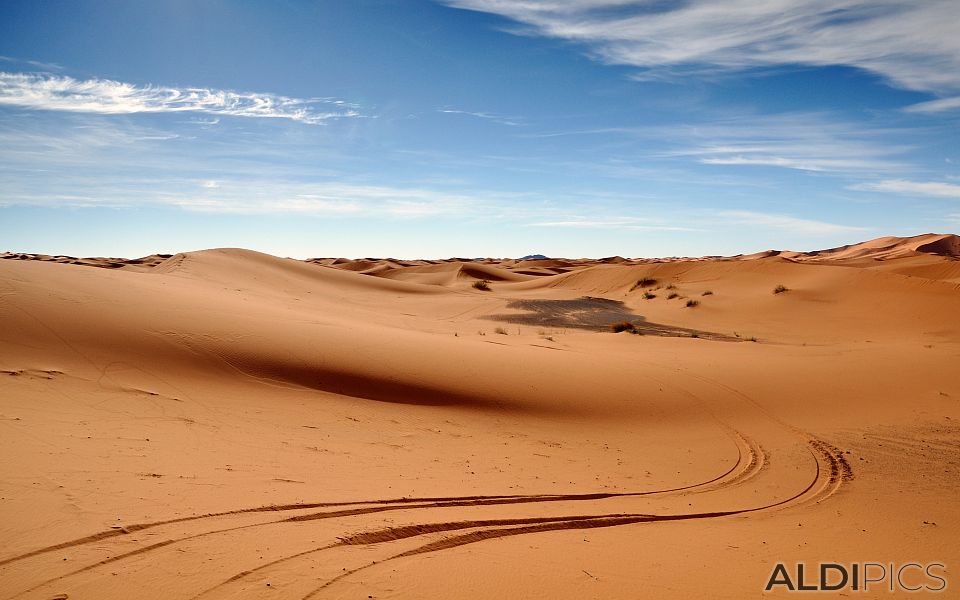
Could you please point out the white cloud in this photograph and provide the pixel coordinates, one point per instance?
(301, 204)
(512, 121)
(937, 189)
(261, 197)
(104, 96)
(912, 44)
(634, 223)
(934, 106)
(46, 66)
(205, 123)
(785, 223)
(790, 163)
(805, 141)
(705, 220)
(321, 198)
(800, 141)
(123, 164)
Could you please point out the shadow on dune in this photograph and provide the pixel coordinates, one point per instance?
(419, 389)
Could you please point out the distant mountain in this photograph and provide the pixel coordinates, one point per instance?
(534, 257)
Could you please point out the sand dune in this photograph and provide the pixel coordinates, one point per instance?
(226, 423)
(448, 274)
(890, 247)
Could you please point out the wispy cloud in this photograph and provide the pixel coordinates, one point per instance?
(105, 96)
(785, 223)
(708, 220)
(45, 66)
(635, 223)
(319, 198)
(935, 106)
(204, 123)
(503, 120)
(262, 197)
(820, 164)
(912, 44)
(305, 204)
(805, 141)
(938, 189)
(801, 141)
(119, 163)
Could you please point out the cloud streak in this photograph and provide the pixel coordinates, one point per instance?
(785, 223)
(631, 223)
(33, 63)
(800, 164)
(512, 121)
(804, 141)
(935, 106)
(104, 96)
(913, 45)
(800, 141)
(937, 189)
(708, 220)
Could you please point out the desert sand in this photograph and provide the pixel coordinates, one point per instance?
(229, 424)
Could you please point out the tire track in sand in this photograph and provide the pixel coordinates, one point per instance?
(748, 461)
(831, 470)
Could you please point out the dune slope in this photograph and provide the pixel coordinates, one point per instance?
(225, 423)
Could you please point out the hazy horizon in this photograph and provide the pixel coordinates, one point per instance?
(456, 256)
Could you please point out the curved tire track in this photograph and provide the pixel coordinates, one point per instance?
(830, 472)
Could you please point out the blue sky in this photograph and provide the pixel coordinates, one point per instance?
(412, 128)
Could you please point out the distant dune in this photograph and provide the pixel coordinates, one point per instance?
(226, 423)
(884, 248)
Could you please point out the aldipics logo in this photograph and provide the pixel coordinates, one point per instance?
(859, 577)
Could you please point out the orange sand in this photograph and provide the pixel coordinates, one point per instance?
(228, 424)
